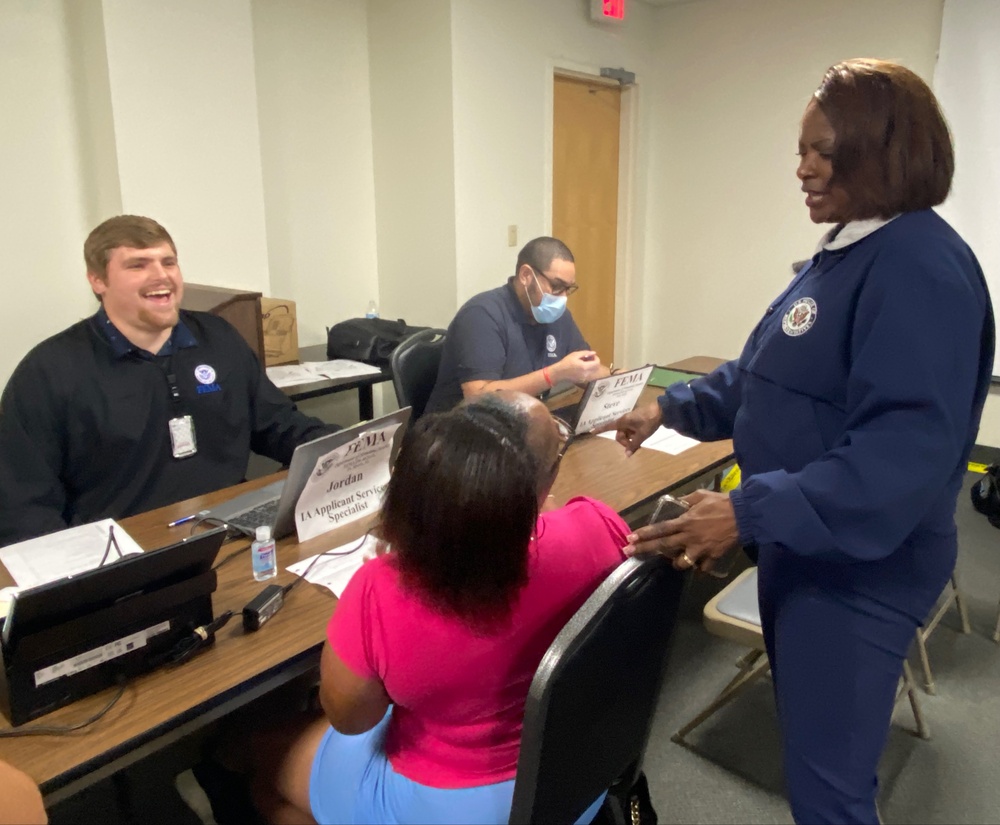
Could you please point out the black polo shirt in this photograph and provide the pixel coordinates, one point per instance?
(492, 338)
(84, 423)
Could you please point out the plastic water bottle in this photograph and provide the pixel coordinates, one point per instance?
(265, 560)
(372, 311)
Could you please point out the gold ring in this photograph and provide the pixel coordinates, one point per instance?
(688, 559)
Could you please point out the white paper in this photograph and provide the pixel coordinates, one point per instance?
(334, 572)
(663, 439)
(290, 375)
(346, 483)
(342, 368)
(611, 398)
(70, 551)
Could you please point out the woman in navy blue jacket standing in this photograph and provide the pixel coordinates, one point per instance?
(853, 409)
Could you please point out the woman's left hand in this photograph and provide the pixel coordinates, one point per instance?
(699, 538)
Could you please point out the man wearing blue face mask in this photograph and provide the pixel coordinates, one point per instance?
(519, 336)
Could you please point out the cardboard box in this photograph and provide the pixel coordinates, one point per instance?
(281, 331)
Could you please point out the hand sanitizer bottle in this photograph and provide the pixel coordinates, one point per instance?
(372, 311)
(263, 556)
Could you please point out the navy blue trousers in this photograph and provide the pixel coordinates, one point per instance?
(836, 658)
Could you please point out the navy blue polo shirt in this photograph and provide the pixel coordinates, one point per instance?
(492, 338)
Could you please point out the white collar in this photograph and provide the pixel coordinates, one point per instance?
(851, 232)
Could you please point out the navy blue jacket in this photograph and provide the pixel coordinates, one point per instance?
(853, 409)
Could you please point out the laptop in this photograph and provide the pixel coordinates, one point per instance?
(274, 505)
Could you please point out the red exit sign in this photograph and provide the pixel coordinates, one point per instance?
(610, 11)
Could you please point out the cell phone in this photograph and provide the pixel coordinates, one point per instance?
(668, 507)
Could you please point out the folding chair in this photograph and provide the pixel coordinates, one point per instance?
(952, 596)
(591, 703)
(734, 614)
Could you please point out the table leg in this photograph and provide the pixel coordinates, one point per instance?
(366, 403)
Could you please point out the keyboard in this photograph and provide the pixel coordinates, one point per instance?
(261, 515)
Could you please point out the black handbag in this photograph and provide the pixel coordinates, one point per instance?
(371, 340)
(986, 494)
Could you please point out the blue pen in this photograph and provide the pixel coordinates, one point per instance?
(186, 519)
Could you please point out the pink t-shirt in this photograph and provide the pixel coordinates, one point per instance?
(459, 695)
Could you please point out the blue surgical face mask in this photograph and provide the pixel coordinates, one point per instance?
(551, 307)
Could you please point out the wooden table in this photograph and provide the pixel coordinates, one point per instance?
(362, 383)
(162, 707)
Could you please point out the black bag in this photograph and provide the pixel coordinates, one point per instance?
(371, 340)
(986, 494)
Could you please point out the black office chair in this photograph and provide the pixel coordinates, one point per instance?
(591, 704)
(415, 367)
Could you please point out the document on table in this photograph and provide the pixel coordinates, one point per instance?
(663, 439)
(334, 572)
(290, 375)
(57, 555)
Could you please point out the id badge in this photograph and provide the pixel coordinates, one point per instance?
(182, 440)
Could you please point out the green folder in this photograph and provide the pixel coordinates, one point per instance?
(662, 377)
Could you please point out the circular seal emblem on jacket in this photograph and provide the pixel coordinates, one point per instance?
(800, 317)
(550, 343)
(204, 373)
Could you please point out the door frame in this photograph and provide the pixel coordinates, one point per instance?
(628, 286)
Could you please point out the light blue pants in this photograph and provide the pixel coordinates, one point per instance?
(353, 782)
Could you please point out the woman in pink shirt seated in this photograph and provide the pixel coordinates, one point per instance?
(433, 646)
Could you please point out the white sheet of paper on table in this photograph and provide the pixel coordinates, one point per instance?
(664, 440)
(290, 375)
(334, 572)
(57, 555)
(342, 368)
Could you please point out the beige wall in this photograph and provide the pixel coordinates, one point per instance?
(504, 58)
(726, 216)
(184, 102)
(42, 196)
(313, 102)
(410, 55)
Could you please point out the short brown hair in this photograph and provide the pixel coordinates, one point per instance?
(133, 231)
(893, 152)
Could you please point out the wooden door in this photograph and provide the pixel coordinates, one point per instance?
(586, 130)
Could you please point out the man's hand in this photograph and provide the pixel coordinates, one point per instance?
(699, 538)
(580, 367)
(634, 427)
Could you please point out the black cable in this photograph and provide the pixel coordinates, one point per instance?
(112, 542)
(60, 730)
(197, 639)
(312, 564)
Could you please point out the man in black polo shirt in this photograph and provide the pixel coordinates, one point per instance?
(138, 406)
(519, 336)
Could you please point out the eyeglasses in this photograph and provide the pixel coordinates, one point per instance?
(565, 435)
(558, 287)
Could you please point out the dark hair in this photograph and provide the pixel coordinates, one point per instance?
(540, 253)
(892, 152)
(122, 230)
(460, 509)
